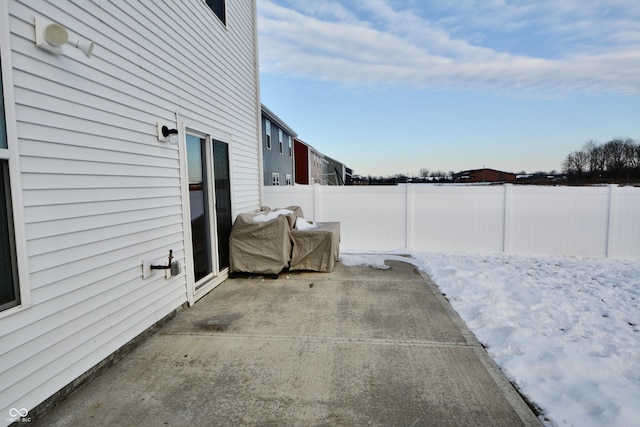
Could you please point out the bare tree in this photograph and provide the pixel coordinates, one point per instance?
(615, 154)
(629, 150)
(595, 157)
(618, 158)
(635, 164)
(576, 163)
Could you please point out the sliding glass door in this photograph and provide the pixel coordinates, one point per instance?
(209, 204)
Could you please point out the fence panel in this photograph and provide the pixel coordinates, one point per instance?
(457, 218)
(624, 233)
(370, 218)
(298, 195)
(572, 221)
(559, 220)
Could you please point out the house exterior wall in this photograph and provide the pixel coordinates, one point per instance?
(316, 167)
(274, 160)
(335, 174)
(98, 192)
(301, 158)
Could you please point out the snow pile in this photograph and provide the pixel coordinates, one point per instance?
(564, 330)
(266, 217)
(303, 224)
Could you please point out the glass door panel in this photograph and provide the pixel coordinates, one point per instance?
(199, 205)
(223, 200)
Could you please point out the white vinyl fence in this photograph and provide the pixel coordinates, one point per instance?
(572, 221)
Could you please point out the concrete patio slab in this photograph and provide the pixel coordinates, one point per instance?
(358, 346)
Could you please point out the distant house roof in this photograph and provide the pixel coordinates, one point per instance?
(332, 160)
(277, 120)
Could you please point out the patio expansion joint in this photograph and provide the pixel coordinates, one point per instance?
(324, 339)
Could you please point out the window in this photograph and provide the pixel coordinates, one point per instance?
(280, 141)
(9, 290)
(267, 130)
(289, 142)
(289, 179)
(275, 178)
(218, 7)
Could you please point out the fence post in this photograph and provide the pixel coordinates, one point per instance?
(506, 233)
(316, 202)
(408, 243)
(610, 221)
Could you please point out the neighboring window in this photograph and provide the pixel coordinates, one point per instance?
(267, 129)
(280, 141)
(289, 179)
(275, 178)
(218, 7)
(9, 290)
(290, 150)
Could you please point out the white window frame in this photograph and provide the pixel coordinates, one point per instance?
(267, 130)
(10, 154)
(290, 148)
(281, 141)
(289, 179)
(275, 178)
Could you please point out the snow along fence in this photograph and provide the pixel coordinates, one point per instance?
(572, 221)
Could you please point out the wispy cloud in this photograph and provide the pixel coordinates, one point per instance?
(543, 48)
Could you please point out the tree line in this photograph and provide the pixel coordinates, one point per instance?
(616, 159)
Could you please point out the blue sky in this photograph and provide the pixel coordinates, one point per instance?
(393, 86)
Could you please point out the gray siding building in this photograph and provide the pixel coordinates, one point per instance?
(335, 171)
(277, 150)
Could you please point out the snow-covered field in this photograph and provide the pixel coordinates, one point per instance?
(566, 331)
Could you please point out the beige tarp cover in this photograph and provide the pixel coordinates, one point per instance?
(260, 247)
(316, 249)
(270, 247)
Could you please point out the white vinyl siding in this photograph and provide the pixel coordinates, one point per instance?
(100, 192)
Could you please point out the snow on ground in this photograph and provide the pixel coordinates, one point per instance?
(566, 331)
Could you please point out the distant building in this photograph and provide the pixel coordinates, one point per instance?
(301, 161)
(317, 167)
(335, 173)
(310, 164)
(277, 149)
(483, 175)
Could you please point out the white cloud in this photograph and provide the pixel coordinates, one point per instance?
(594, 46)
